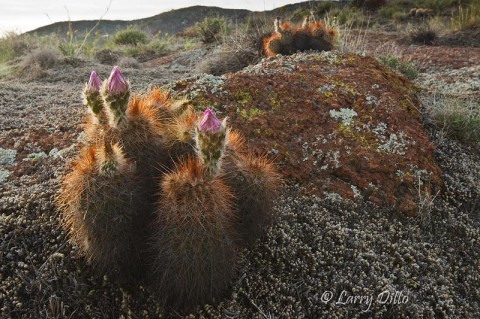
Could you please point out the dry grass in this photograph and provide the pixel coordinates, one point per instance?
(218, 63)
(458, 118)
(422, 33)
(35, 64)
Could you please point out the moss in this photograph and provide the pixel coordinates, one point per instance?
(243, 97)
(251, 113)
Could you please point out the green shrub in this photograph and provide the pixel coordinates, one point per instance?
(211, 30)
(12, 45)
(389, 11)
(130, 36)
(407, 68)
(371, 5)
(437, 5)
(350, 17)
(458, 118)
(299, 14)
(399, 16)
(324, 7)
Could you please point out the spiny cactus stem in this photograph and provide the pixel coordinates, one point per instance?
(111, 160)
(117, 109)
(94, 102)
(210, 150)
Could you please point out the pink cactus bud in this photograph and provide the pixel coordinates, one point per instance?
(94, 83)
(116, 82)
(209, 123)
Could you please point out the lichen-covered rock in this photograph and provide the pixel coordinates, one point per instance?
(338, 124)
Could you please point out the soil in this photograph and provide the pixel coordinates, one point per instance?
(316, 254)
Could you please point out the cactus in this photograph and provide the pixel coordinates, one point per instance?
(254, 181)
(160, 190)
(195, 242)
(116, 94)
(92, 96)
(287, 39)
(321, 38)
(99, 200)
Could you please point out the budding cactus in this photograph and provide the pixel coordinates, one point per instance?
(161, 183)
(92, 95)
(195, 241)
(116, 94)
(210, 138)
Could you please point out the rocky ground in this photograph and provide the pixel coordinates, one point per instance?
(317, 254)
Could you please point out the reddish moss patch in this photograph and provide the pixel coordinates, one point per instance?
(336, 123)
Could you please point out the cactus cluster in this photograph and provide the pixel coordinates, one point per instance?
(288, 39)
(163, 195)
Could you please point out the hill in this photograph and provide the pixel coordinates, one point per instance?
(172, 21)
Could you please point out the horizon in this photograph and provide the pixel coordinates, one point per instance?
(27, 15)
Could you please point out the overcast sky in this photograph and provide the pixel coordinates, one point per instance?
(26, 15)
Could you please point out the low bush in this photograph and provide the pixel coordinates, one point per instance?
(389, 12)
(222, 62)
(128, 62)
(130, 36)
(211, 30)
(107, 56)
(407, 68)
(12, 45)
(422, 33)
(370, 5)
(45, 58)
(457, 118)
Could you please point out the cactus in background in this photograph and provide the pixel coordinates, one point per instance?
(158, 189)
(280, 41)
(321, 37)
(301, 36)
(287, 39)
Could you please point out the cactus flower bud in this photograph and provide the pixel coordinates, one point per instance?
(209, 123)
(116, 82)
(92, 96)
(211, 136)
(116, 95)
(94, 83)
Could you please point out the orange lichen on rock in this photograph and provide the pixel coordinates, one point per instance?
(339, 124)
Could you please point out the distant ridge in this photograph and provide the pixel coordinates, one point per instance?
(171, 21)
